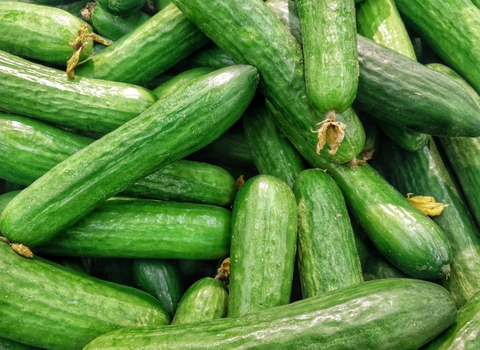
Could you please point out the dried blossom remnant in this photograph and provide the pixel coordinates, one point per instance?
(331, 131)
(240, 181)
(22, 250)
(223, 272)
(366, 156)
(426, 204)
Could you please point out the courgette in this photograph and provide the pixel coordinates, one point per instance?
(167, 131)
(381, 314)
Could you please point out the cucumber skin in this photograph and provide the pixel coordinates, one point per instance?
(36, 91)
(160, 135)
(39, 32)
(204, 300)
(263, 245)
(405, 236)
(425, 173)
(121, 7)
(146, 229)
(329, 37)
(263, 41)
(327, 254)
(402, 314)
(181, 78)
(147, 51)
(49, 306)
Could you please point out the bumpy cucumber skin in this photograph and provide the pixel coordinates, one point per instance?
(263, 246)
(170, 130)
(425, 173)
(394, 88)
(147, 229)
(401, 314)
(272, 152)
(204, 300)
(329, 37)
(39, 32)
(148, 50)
(47, 305)
(327, 254)
(405, 236)
(259, 38)
(36, 91)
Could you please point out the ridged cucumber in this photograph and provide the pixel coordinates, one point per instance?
(169, 130)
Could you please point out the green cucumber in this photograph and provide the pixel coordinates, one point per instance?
(208, 56)
(148, 50)
(117, 270)
(287, 13)
(376, 267)
(36, 91)
(161, 278)
(179, 79)
(6, 344)
(451, 29)
(406, 237)
(425, 173)
(381, 22)
(329, 42)
(263, 246)
(169, 130)
(40, 32)
(204, 300)
(389, 313)
(49, 306)
(327, 253)
(272, 152)
(262, 40)
(121, 7)
(75, 7)
(143, 228)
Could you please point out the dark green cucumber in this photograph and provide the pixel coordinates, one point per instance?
(262, 40)
(451, 29)
(272, 152)
(329, 42)
(181, 78)
(148, 50)
(425, 173)
(29, 148)
(204, 300)
(399, 90)
(6, 344)
(110, 25)
(143, 228)
(381, 22)
(75, 7)
(36, 91)
(463, 334)
(406, 237)
(121, 7)
(40, 32)
(263, 247)
(208, 56)
(48, 306)
(167, 131)
(161, 278)
(327, 253)
(401, 314)
(376, 267)
(117, 270)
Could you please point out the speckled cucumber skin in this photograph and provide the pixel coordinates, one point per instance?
(46, 305)
(168, 131)
(401, 314)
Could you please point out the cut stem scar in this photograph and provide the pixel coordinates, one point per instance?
(331, 131)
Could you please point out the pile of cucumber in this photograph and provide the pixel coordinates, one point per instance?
(248, 174)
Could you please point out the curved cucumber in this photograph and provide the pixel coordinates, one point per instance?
(170, 130)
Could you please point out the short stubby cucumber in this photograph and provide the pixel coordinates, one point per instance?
(169, 130)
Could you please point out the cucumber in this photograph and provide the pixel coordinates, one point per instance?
(376, 267)
(208, 56)
(161, 278)
(263, 246)
(41, 32)
(178, 80)
(451, 29)
(327, 253)
(381, 314)
(425, 173)
(272, 152)
(287, 13)
(121, 7)
(406, 237)
(92, 105)
(262, 40)
(381, 22)
(6, 344)
(167, 131)
(204, 300)
(463, 334)
(329, 42)
(117, 270)
(49, 306)
(147, 51)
